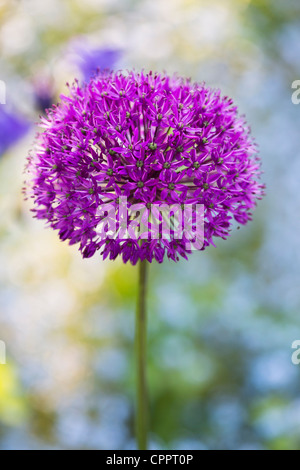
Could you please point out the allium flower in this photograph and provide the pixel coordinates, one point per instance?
(150, 139)
(12, 129)
(90, 60)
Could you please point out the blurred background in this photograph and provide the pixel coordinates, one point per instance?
(222, 324)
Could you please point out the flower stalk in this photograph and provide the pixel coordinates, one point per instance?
(141, 353)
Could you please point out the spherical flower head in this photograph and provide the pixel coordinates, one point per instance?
(116, 150)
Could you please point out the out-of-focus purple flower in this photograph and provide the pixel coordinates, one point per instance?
(92, 60)
(43, 92)
(150, 139)
(12, 129)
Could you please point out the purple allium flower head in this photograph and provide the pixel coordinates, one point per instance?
(150, 139)
(12, 129)
(90, 60)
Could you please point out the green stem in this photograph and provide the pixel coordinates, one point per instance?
(141, 342)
